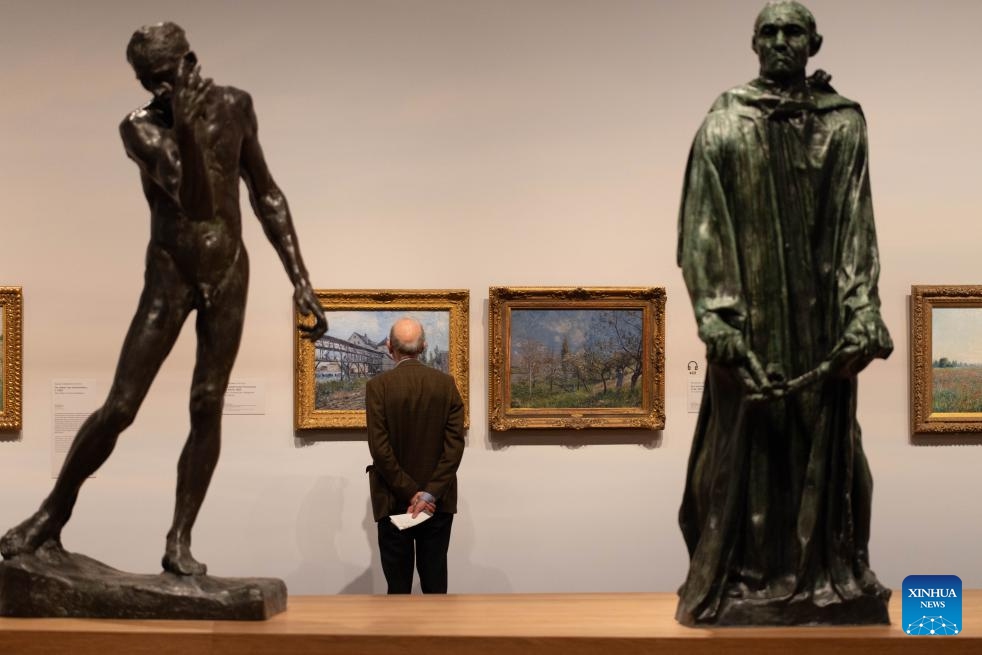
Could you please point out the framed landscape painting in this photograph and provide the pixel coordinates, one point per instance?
(330, 375)
(11, 312)
(576, 357)
(946, 359)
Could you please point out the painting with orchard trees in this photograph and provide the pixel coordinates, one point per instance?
(576, 357)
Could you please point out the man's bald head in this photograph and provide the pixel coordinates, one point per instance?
(406, 338)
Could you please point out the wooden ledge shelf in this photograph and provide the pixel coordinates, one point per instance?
(507, 624)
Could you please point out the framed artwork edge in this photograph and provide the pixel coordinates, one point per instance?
(923, 299)
(651, 414)
(12, 310)
(456, 301)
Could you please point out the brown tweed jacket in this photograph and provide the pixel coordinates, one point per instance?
(415, 435)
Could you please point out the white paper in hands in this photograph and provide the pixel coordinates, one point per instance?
(403, 521)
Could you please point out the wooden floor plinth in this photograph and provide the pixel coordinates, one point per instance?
(512, 624)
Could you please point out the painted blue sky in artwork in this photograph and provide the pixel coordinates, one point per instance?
(376, 323)
(956, 333)
(550, 326)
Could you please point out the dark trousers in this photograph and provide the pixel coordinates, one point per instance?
(427, 543)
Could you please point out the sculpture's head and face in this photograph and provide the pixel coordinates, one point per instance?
(156, 52)
(784, 39)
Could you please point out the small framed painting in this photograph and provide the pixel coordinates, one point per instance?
(330, 374)
(576, 358)
(945, 359)
(11, 350)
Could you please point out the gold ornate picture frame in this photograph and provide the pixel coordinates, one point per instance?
(945, 359)
(576, 358)
(330, 376)
(11, 353)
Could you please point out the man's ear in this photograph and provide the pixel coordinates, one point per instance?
(753, 43)
(815, 45)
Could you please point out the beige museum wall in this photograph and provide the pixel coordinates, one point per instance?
(435, 144)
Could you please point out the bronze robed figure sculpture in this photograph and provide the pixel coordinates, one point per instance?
(778, 251)
(192, 143)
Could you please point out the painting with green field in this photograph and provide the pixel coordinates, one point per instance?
(956, 359)
(576, 358)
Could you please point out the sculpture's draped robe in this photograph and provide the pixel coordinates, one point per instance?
(776, 239)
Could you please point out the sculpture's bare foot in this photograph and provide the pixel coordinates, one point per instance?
(30, 535)
(178, 560)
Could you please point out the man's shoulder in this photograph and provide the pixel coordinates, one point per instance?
(382, 378)
(230, 96)
(837, 111)
(827, 98)
(411, 369)
(754, 98)
(234, 96)
(430, 371)
(376, 380)
(241, 104)
(448, 383)
(139, 117)
(727, 119)
(734, 99)
(140, 125)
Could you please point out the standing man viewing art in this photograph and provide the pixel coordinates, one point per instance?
(192, 143)
(778, 251)
(416, 437)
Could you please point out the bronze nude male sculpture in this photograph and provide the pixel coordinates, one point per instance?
(778, 251)
(192, 143)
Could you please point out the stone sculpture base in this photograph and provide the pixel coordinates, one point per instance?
(802, 611)
(56, 583)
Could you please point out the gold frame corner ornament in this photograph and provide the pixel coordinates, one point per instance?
(923, 300)
(12, 308)
(651, 414)
(455, 301)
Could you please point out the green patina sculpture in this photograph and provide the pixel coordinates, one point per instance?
(778, 250)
